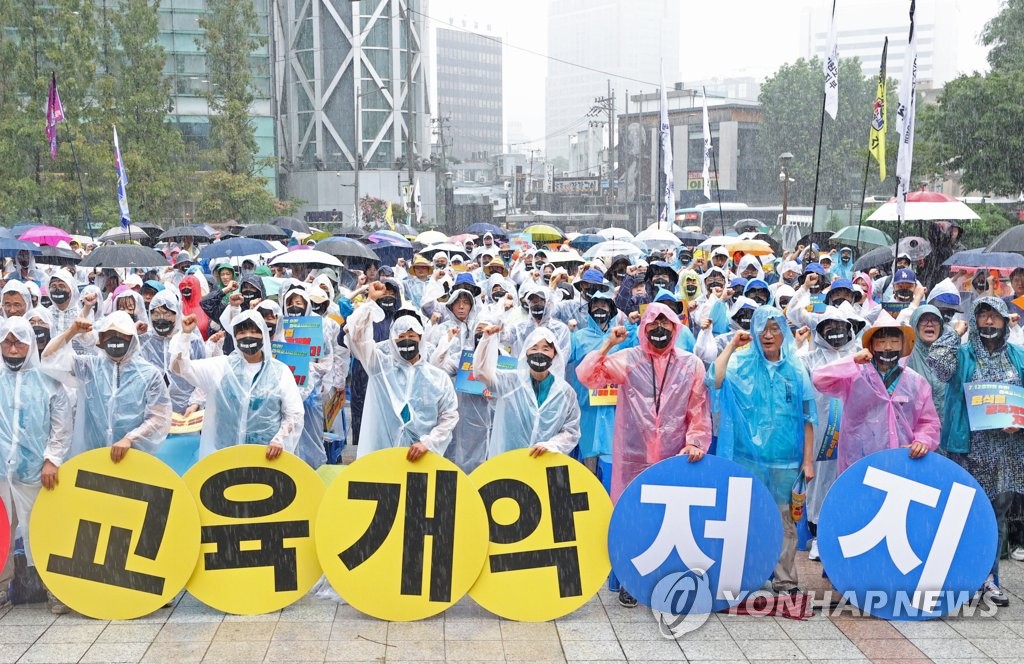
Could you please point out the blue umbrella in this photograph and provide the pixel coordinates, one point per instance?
(9, 247)
(391, 250)
(996, 260)
(18, 229)
(481, 227)
(584, 242)
(236, 246)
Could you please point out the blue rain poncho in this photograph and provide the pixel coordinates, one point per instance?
(405, 403)
(247, 403)
(519, 420)
(597, 423)
(156, 349)
(763, 407)
(127, 398)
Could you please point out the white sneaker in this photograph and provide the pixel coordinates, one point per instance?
(1018, 553)
(813, 553)
(993, 594)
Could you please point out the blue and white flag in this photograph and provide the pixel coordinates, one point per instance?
(122, 183)
(669, 195)
(706, 175)
(905, 119)
(831, 68)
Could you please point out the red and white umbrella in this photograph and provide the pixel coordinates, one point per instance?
(926, 206)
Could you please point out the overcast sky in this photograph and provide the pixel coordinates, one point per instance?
(721, 38)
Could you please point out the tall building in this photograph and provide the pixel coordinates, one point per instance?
(186, 67)
(469, 92)
(628, 37)
(863, 25)
(345, 107)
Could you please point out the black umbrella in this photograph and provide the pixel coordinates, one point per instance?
(748, 226)
(344, 247)
(880, 257)
(196, 232)
(772, 242)
(124, 255)
(1010, 240)
(819, 238)
(57, 256)
(690, 238)
(291, 224)
(152, 230)
(264, 232)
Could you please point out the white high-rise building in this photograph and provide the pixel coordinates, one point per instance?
(863, 25)
(628, 37)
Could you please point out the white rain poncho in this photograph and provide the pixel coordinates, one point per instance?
(64, 317)
(405, 403)
(156, 349)
(516, 336)
(310, 447)
(18, 288)
(35, 426)
(123, 399)
(519, 421)
(125, 300)
(247, 403)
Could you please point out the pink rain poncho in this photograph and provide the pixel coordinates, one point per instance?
(663, 404)
(874, 420)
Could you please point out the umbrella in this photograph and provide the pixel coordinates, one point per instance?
(544, 233)
(49, 235)
(264, 232)
(345, 247)
(752, 247)
(291, 224)
(563, 257)
(879, 257)
(744, 225)
(926, 206)
(461, 239)
(980, 258)
(660, 238)
(916, 248)
(615, 233)
(770, 241)
(378, 237)
(1010, 240)
(446, 247)
(124, 255)
(584, 242)
(713, 241)
(196, 232)
(10, 247)
(131, 234)
(431, 237)
(611, 248)
(482, 227)
(6, 232)
(152, 230)
(669, 226)
(57, 256)
(18, 229)
(310, 257)
(406, 230)
(819, 238)
(869, 237)
(690, 238)
(236, 246)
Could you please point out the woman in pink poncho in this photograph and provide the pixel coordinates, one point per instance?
(885, 403)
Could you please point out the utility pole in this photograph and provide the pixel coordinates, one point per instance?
(409, 117)
(607, 105)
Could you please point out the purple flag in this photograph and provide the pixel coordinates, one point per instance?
(54, 114)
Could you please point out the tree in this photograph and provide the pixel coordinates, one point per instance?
(791, 103)
(1005, 35)
(225, 197)
(229, 41)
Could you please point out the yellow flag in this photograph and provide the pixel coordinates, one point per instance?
(389, 217)
(876, 136)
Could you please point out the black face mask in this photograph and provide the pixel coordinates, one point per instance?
(250, 345)
(539, 361)
(14, 363)
(947, 315)
(660, 337)
(784, 302)
(600, 316)
(408, 349)
(620, 275)
(296, 311)
(886, 356)
(990, 333)
(661, 282)
(320, 308)
(506, 256)
(690, 290)
(387, 303)
(835, 335)
(714, 284)
(186, 292)
(42, 336)
(248, 297)
(758, 295)
(163, 326)
(497, 294)
(116, 346)
(837, 300)
(537, 311)
(24, 262)
(546, 278)
(903, 295)
(59, 296)
(743, 317)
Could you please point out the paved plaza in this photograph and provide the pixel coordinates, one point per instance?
(316, 630)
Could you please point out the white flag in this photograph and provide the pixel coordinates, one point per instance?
(122, 184)
(669, 213)
(831, 68)
(707, 150)
(416, 201)
(905, 118)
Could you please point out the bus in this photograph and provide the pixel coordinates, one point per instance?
(710, 221)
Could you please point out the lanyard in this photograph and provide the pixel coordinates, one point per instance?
(658, 392)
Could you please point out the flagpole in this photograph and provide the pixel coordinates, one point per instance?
(714, 163)
(81, 187)
(817, 165)
(863, 195)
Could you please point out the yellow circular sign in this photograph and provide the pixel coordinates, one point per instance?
(401, 540)
(258, 553)
(115, 541)
(548, 550)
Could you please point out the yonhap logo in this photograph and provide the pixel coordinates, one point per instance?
(681, 603)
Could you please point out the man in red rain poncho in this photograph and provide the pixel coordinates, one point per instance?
(663, 408)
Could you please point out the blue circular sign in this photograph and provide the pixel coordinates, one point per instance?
(907, 539)
(711, 519)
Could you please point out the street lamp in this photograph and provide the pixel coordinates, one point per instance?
(784, 159)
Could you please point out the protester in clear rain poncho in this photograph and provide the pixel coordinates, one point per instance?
(15, 299)
(767, 415)
(311, 441)
(165, 322)
(251, 398)
(35, 434)
(993, 457)
(127, 398)
(540, 305)
(534, 406)
(409, 402)
(42, 327)
(596, 422)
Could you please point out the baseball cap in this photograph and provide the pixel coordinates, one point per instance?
(904, 276)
